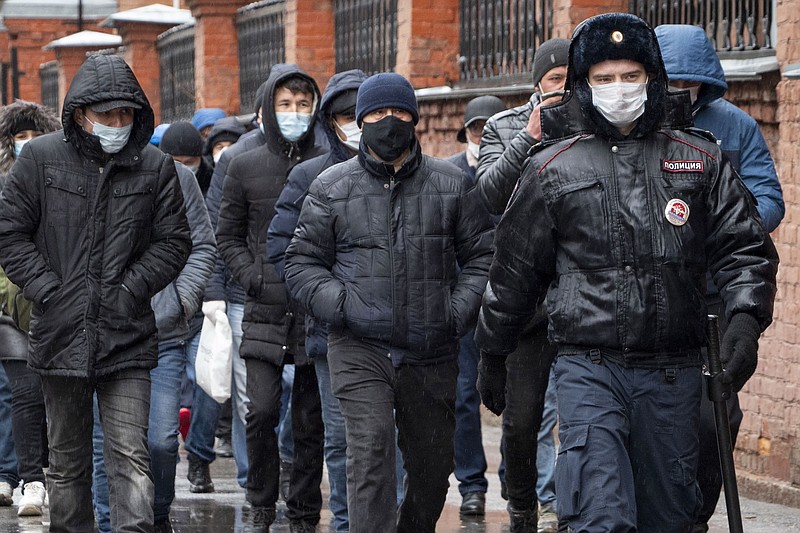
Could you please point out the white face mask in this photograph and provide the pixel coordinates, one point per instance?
(292, 125)
(219, 154)
(18, 146)
(111, 139)
(352, 133)
(474, 149)
(693, 91)
(620, 103)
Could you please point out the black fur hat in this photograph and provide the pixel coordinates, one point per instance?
(614, 36)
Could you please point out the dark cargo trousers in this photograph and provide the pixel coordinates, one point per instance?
(375, 396)
(629, 446)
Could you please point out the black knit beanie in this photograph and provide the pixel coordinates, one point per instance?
(386, 89)
(182, 138)
(550, 54)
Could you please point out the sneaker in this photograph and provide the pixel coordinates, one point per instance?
(285, 479)
(6, 494)
(522, 520)
(260, 519)
(199, 477)
(548, 521)
(301, 526)
(33, 495)
(184, 417)
(224, 448)
(162, 526)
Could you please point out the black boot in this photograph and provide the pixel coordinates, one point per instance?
(522, 520)
(199, 477)
(260, 519)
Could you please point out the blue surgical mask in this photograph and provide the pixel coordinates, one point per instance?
(292, 125)
(112, 139)
(18, 146)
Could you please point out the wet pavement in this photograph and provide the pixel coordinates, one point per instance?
(224, 511)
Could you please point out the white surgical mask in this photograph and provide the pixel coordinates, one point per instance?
(112, 139)
(18, 146)
(693, 91)
(193, 168)
(218, 155)
(292, 125)
(620, 103)
(352, 132)
(474, 149)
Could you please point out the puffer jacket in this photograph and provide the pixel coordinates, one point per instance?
(375, 253)
(287, 208)
(504, 150)
(272, 329)
(625, 228)
(76, 224)
(44, 120)
(689, 55)
(175, 304)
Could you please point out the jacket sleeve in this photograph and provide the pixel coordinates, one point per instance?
(20, 214)
(232, 228)
(310, 258)
(215, 289)
(170, 239)
(473, 244)
(500, 165)
(522, 269)
(758, 172)
(287, 213)
(742, 259)
(191, 283)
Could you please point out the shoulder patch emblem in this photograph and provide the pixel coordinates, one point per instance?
(682, 165)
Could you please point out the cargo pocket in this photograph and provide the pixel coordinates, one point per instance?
(569, 467)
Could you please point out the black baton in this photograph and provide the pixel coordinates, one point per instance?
(718, 394)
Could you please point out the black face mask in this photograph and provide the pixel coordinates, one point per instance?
(389, 137)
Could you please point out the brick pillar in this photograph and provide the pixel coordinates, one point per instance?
(427, 41)
(570, 13)
(139, 42)
(308, 33)
(216, 61)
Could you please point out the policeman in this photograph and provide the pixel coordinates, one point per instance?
(613, 224)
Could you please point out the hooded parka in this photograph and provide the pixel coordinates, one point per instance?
(77, 223)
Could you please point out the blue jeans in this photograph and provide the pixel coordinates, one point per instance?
(468, 443)
(205, 411)
(239, 399)
(629, 446)
(284, 429)
(8, 457)
(546, 447)
(335, 446)
(162, 436)
(124, 404)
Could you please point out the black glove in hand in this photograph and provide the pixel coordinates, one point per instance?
(739, 350)
(492, 382)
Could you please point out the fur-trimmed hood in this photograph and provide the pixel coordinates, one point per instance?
(43, 117)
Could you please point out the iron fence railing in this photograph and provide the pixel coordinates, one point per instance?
(733, 25)
(176, 61)
(365, 35)
(48, 73)
(498, 38)
(261, 45)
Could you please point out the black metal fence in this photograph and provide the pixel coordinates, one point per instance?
(261, 45)
(733, 25)
(499, 37)
(48, 73)
(365, 35)
(176, 61)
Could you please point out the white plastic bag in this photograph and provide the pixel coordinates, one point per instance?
(213, 364)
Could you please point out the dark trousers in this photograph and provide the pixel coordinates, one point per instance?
(28, 420)
(709, 474)
(263, 413)
(375, 396)
(469, 455)
(528, 377)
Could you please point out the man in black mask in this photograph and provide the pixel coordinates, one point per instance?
(374, 256)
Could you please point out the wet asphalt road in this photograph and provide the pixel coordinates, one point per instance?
(223, 511)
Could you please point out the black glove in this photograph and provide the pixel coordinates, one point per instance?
(492, 382)
(739, 350)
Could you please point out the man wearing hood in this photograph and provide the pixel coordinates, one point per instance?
(692, 64)
(375, 257)
(272, 325)
(337, 110)
(92, 225)
(630, 210)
